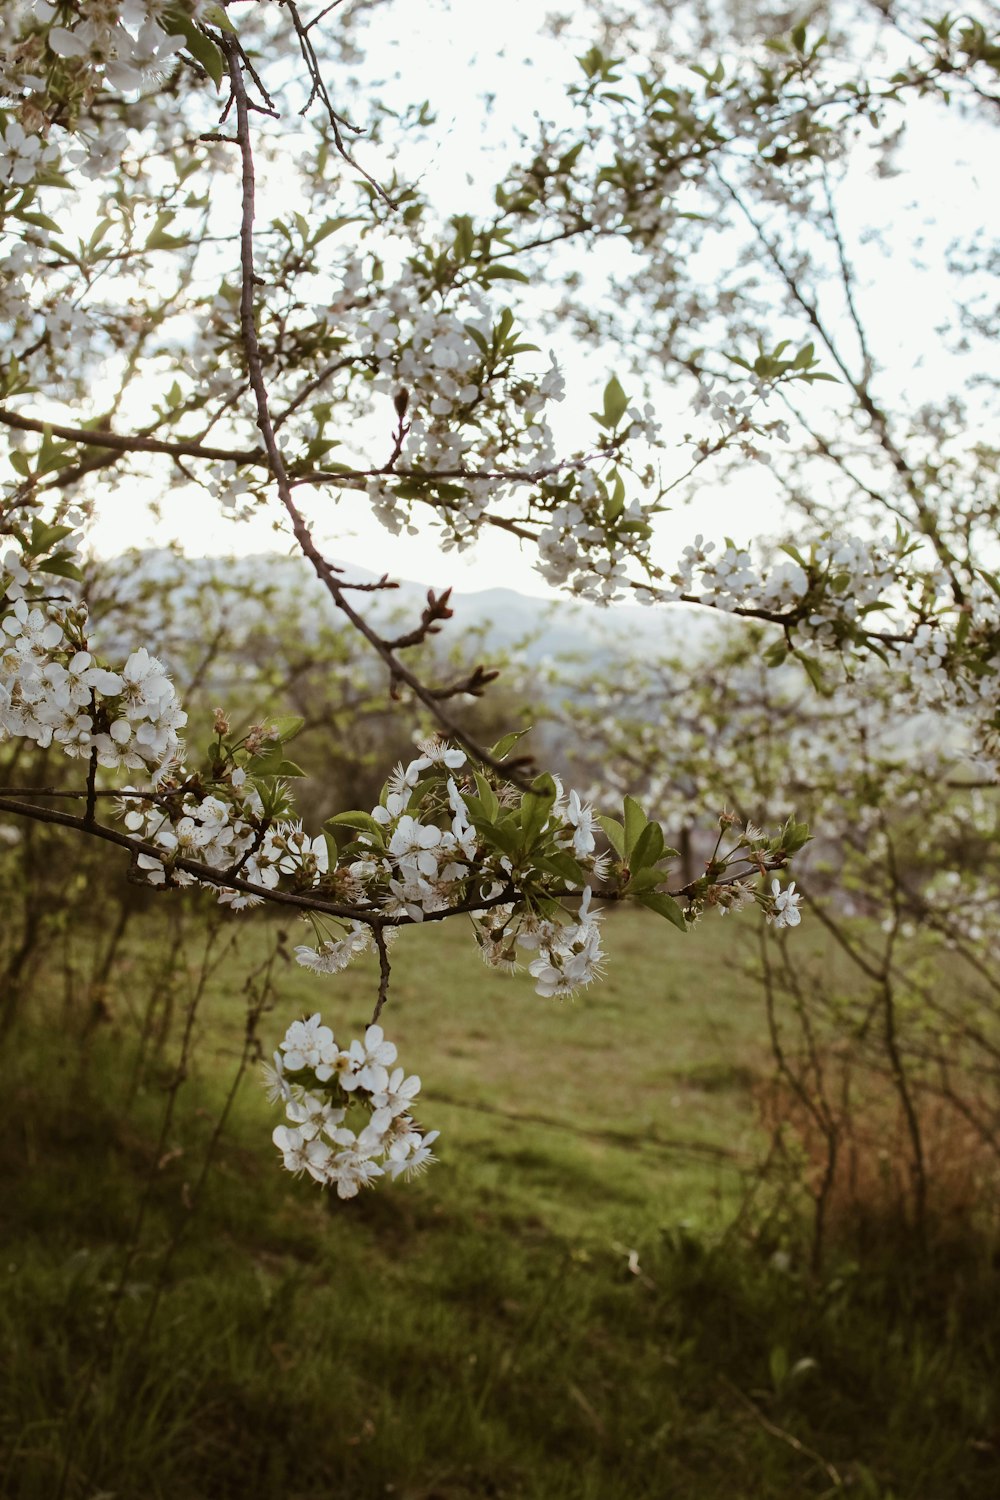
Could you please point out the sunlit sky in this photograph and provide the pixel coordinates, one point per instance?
(473, 50)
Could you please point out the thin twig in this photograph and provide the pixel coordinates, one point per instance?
(320, 91)
(256, 1003)
(785, 1437)
(877, 419)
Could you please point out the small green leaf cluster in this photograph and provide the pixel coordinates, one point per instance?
(773, 366)
(641, 851)
(40, 540)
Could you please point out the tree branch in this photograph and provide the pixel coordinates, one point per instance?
(222, 880)
(303, 535)
(93, 437)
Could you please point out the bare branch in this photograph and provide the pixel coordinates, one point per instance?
(435, 610)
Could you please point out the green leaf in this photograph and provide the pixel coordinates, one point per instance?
(615, 402)
(289, 768)
(61, 567)
(201, 48)
(815, 673)
(487, 796)
(635, 822)
(614, 833)
(614, 502)
(287, 726)
(330, 226)
(158, 239)
(266, 766)
(504, 273)
(363, 821)
(794, 836)
(216, 16)
(536, 804)
(503, 747)
(503, 836)
(476, 811)
(562, 865)
(40, 221)
(478, 338)
(648, 848)
(465, 237)
(664, 906)
(546, 906)
(43, 537)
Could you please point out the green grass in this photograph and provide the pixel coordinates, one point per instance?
(607, 1114)
(555, 1312)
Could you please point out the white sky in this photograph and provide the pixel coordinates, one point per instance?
(457, 53)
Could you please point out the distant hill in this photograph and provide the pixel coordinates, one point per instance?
(500, 617)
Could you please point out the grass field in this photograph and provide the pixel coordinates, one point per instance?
(557, 1310)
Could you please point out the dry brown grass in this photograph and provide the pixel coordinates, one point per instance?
(852, 1148)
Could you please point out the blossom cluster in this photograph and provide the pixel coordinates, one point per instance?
(581, 549)
(842, 579)
(449, 357)
(53, 690)
(418, 853)
(569, 954)
(945, 669)
(98, 43)
(473, 418)
(229, 833)
(440, 838)
(24, 157)
(328, 1089)
(427, 329)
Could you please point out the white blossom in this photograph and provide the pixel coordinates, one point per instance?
(786, 905)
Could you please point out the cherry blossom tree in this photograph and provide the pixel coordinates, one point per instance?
(190, 228)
